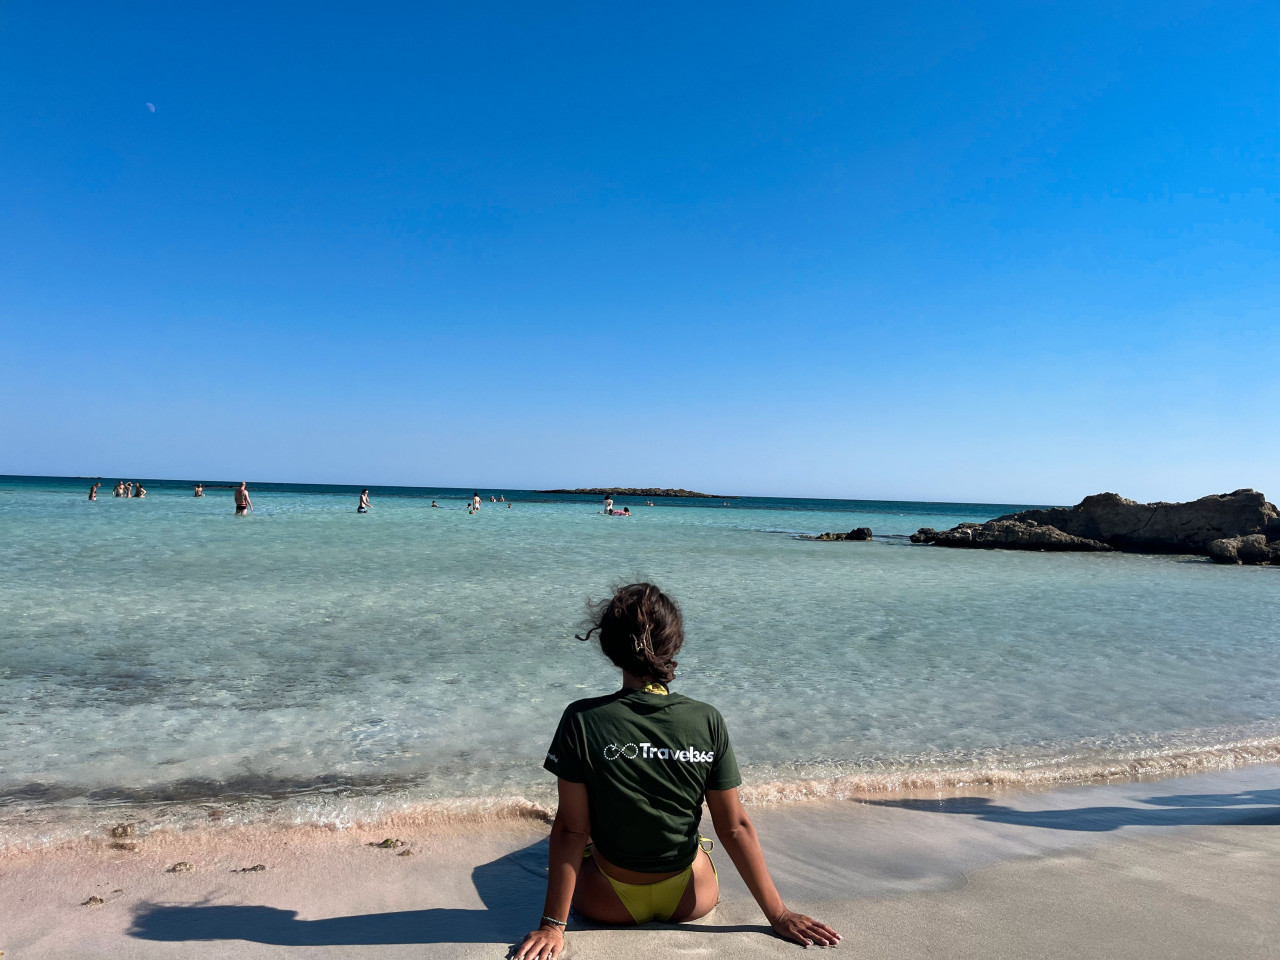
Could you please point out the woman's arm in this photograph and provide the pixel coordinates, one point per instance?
(738, 836)
(569, 835)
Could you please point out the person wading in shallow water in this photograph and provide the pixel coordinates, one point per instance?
(243, 503)
(634, 768)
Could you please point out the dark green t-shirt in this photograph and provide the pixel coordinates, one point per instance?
(647, 760)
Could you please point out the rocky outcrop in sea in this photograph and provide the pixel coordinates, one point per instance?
(1237, 527)
(858, 533)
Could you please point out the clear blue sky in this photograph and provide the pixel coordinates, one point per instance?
(999, 252)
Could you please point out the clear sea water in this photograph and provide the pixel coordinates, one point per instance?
(164, 652)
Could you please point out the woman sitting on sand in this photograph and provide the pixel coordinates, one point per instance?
(634, 768)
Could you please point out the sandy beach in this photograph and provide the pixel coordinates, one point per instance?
(1182, 867)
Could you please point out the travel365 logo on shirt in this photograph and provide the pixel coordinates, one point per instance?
(647, 751)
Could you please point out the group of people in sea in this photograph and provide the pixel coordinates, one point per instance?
(121, 489)
(473, 505)
(624, 512)
(244, 505)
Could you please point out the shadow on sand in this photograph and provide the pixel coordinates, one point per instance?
(511, 888)
(1256, 807)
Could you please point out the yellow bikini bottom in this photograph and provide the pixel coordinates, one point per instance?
(658, 900)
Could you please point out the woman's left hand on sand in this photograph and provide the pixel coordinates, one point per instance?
(804, 930)
(541, 944)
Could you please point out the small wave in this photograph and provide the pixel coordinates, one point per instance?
(1150, 764)
(41, 827)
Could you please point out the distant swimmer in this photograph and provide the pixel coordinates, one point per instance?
(93, 491)
(624, 512)
(492, 498)
(436, 505)
(199, 490)
(364, 501)
(508, 506)
(138, 492)
(243, 503)
(648, 503)
(475, 501)
(501, 498)
(608, 504)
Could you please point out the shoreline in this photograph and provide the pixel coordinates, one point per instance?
(1111, 870)
(44, 827)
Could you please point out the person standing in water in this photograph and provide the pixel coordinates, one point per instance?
(608, 504)
(633, 770)
(128, 490)
(93, 491)
(118, 489)
(243, 503)
(138, 491)
(199, 490)
(364, 501)
(475, 501)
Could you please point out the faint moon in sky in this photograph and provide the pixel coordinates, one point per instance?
(151, 107)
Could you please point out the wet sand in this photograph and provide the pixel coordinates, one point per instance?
(1183, 867)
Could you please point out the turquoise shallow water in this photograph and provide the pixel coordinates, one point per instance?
(165, 650)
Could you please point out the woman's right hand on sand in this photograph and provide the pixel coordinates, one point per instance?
(804, 930)
(541, 944)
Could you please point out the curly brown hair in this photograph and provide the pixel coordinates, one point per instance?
(641, 630)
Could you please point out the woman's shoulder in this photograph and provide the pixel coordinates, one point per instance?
(688, 705)
(592, 703)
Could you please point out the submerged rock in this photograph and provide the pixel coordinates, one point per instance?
(1108, 521)
(123, 830)
(93, 902)
(859, 533)
(388, 844)
(256, 868)
(122, 845)
(180, 867)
